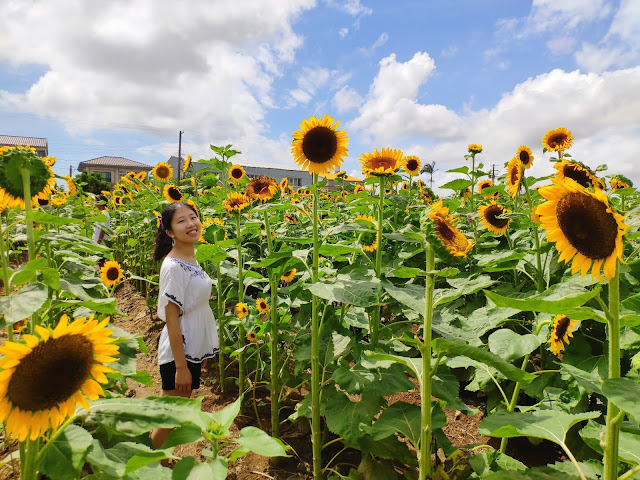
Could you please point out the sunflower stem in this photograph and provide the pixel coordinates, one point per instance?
(29, 463)
(375, 320)
(425, 382)
(26, 194)
(612, 427)
(316, 434)
(241, 334)
(5, 277)
(536, 238)
(273, 344)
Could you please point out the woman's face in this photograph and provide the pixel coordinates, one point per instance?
(185, 225)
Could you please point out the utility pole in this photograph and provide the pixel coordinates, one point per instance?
(179, 154)
(493, 172)
(71, 171)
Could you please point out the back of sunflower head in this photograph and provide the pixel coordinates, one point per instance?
(16, 162)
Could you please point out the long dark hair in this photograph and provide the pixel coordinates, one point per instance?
(164, 243)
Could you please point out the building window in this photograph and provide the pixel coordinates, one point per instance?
(295, 182)
(106, 176)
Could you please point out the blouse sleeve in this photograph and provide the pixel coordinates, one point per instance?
(173, 287)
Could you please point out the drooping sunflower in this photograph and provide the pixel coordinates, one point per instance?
(525, 156)
(43, 379)
(583, 226)
(369, 241)
(358, 188)
(619, 182)
(384, 162)
(284, 184)
(439, 226)
(291, 218)
(514, 176)
(426, 195)
(560, 332)
(287, 277)
(262, 188)
(262, 305)
(412, 165)
(318, 145)
(59, 200)
(172, 193)
(111, 273)
(49, 161)
(187, 163)
(474, 148)
(158, 218)
(41, 177)
(235, 202)
(577, 171)
(482, 184)
(489, 217)
(162, 171)
(240, 310)
(558, 139)
(236, 173)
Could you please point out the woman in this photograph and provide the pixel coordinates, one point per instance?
(190, 335)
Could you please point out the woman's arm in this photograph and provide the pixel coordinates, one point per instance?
(183, 375)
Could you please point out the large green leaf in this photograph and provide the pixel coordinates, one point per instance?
(457, 185)
(632, 303)
(587, 373)
(461, 286)
(344, 416)
(227, 415)
(510, 346)
(551, 425)
(624, 393)
(135, 416)
(254, 440)
(376, 381)
(448, 322)
(496, 258)
(458, 347)
(556, 300)
(628, 443)
(385, 360)
(66, 455)
(24, 303)
(409, 295)
(189, 469)
(537, 473)
(390, 448)
(186, 433)
(404, 418)
(210, 253)
(123, 458)
(49, 219)
(360, 293)
(328, 250)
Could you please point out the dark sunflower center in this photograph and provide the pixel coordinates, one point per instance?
(236, 173)
(578, 174)
(524, 157)
(588, 226)
(446, 232)
(175, 194)
(320, 144)
(513, 175)
(384, 162)
(491, 214)
(162, 172)
(113, 273)
(51, 373)
(562, 326)
(557, 139)
(43, 202)
(412, 165)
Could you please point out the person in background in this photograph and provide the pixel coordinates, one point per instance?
(190, 334)
(99, 234)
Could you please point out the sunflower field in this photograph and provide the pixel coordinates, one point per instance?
(518, 292)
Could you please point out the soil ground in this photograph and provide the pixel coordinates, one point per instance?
(461, 429)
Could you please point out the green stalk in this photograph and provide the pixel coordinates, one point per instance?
(28, 465)
(425, 382)
(26, 194)
(221, 338)
(241, 334)
(5, 277)
(612, 426)
(273, 341)
(316, 434)
(536, 238)
(375, 318)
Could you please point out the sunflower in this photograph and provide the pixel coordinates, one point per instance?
(318, 145)
(440, 227)
(49, 161)
(287, 277)
(262, 188)
(584, 227)
(385, 162)
(162, 171)
(619, 182)
(240, 310)
(358, 188)
(525, 156)
(369, 242)
(514, 176)
(158, 218)
(41, 177)
(58, 200)
(426, 194)
(141, 175)
(474, 148)
(284, 184)
(251, 336)
(558, 139)
(489, 217)
(576, 171)
(236, 173)
(195, 207)
(560, 332)
(111, 273)
(187, 163)
(42, 202)
(289, 217)
(412, 165)
(172, 193)
(367, 218)
(404, 186)
(44, 379)
(218, 221)
(262, 305)
(236, 202)
(482, 184)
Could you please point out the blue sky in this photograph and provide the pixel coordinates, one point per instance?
(122, 78)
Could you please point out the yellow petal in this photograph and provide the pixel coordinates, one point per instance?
(61, 327)
(14, 350)
(43, 332)
(30, 340)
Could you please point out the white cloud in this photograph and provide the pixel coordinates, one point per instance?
(450, 51)
(549, 15)
(346, 99)
(392, 110)
(371, 49)
(343, 32)
(352, 7)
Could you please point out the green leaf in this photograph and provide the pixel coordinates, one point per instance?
(123, 458)
(358, 379)
(361, 293)
(344, 416)
(461, 286)
(556, 300)
(24, 303)
(404, 418)
(551, 425)
(227, 415)
(210, 253)
(189, 469)
(457, 185)
(385, 360)
(496, 258)
(65, 456)
(628, 444)
(51, 278)
(464, 169)
(589, 378)
(408, 272)
(390, 448)
(624, 393)
(537, 473)
(510, 346)
(632, 303)
(186, 433)
(254, 440)
(49, 219)
(409, 295)
(328, 250)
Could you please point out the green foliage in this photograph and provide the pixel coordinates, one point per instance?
(92, 182)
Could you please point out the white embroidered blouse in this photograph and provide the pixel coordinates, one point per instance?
(189, 287)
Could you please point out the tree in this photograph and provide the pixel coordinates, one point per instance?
(430, 169)
(92, 182)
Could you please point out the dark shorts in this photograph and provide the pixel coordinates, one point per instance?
(168, 375)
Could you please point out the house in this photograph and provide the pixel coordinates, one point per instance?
(297, 178)
(332, 185)
(40, 144)
(112, 168)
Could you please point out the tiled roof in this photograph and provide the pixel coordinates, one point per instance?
(32, 141)
(114, 162)
(348, 178)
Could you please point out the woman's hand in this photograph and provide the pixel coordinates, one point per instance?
(183, 379)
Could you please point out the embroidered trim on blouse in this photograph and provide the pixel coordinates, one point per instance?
(194, 270)
(199, 359)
